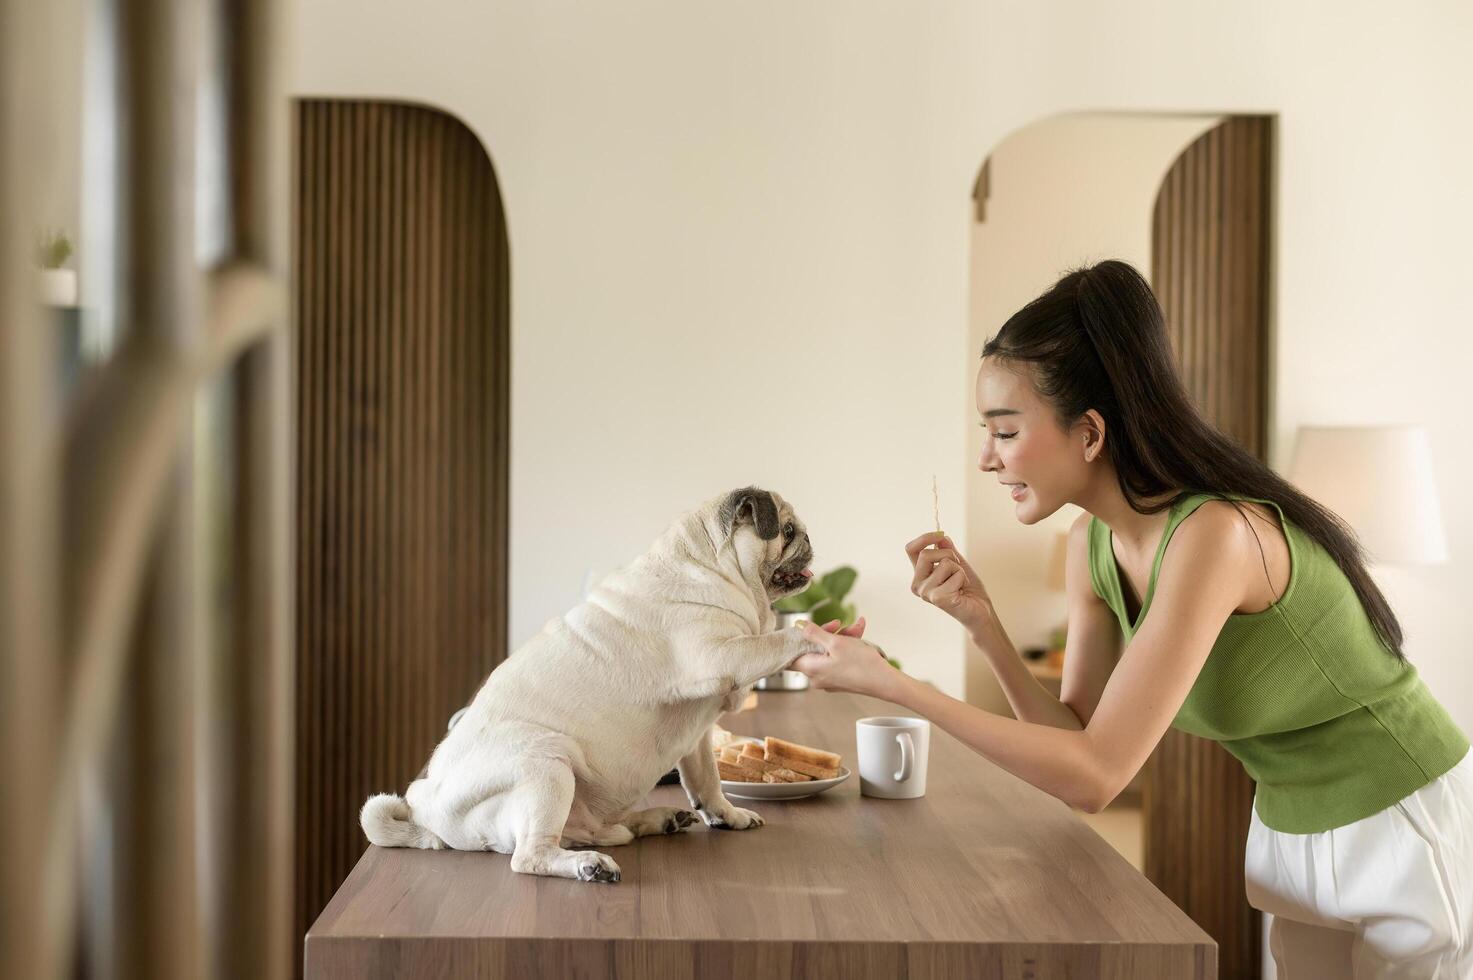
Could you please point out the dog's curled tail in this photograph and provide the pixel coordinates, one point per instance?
(388, 822)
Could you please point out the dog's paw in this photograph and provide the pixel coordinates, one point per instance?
(733, 818)
(678, 821)
(593, 866)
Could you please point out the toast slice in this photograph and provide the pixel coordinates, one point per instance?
(781, 775)
(737, 773)
(802, 753)
(753, 757)
(799, 766)
(809, 761)
(739, 761)
(784, 776)
(761, 767)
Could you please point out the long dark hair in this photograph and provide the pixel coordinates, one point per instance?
(1097, 339)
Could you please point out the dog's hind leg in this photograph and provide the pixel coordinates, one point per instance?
(659, 820)
(609, 835)
(539, 809)
(639, 823)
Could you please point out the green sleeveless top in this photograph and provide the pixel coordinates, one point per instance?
(1330, 725)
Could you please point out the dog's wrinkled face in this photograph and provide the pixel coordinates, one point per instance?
(766, 531)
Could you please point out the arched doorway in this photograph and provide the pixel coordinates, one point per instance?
(1186, 199)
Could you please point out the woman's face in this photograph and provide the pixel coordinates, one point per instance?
(1041, 465)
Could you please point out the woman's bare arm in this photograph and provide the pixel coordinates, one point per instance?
(1090, 654)
(1202, 580)
(1094, 638)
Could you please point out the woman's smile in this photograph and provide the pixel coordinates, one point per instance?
(1015, 490)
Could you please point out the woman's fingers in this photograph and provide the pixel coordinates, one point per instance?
(809, 662)
(927, 563)
(818, 636)
(950, 546)
(933, 543)
(836, 627)
(948, 587)
(943, 571)
(916, 545)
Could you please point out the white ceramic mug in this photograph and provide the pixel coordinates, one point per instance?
(892, 756)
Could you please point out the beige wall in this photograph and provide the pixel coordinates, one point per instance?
(1065, 191)
(740, 246)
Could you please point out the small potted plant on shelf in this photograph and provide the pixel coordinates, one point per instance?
(58, 284)
(1054, 657)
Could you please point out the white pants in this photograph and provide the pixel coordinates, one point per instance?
(1387, 896)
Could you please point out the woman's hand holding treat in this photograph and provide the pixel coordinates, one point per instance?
(945, 580)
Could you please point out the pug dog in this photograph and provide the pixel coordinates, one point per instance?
(571, 732)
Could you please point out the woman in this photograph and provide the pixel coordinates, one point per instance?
(1247, 617)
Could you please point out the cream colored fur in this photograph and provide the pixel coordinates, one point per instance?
(567, 736)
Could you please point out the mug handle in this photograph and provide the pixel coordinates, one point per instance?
(907, 756)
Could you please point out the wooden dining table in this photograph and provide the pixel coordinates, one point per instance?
(983, 876)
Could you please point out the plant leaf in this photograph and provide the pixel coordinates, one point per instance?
(838, 582)
(827, 610)
(803, 601)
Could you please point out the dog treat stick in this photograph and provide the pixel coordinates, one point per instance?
(935, 503)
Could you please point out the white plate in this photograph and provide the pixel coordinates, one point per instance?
(779, 791)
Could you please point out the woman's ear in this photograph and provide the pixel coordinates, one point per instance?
(1090, 430)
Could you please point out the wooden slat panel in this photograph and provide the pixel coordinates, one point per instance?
(1210, 250)
(402, 387)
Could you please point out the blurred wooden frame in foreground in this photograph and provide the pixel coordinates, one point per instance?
(147, 785)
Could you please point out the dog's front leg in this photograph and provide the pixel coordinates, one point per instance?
(742, 660)
(703, 786)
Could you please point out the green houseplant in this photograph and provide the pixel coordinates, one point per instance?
(53, 249)
(823, 600)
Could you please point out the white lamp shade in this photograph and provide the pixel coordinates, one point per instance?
(1379, 480)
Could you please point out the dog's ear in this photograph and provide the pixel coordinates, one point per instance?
(750, 505)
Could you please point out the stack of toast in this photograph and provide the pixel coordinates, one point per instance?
(775, 761)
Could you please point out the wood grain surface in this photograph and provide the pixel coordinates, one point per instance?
(985, 876)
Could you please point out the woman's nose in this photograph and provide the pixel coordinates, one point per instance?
(987, 461)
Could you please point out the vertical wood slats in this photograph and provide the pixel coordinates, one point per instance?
(1210, 262)
(402, 442)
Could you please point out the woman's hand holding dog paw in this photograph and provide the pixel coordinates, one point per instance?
(846, 662)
